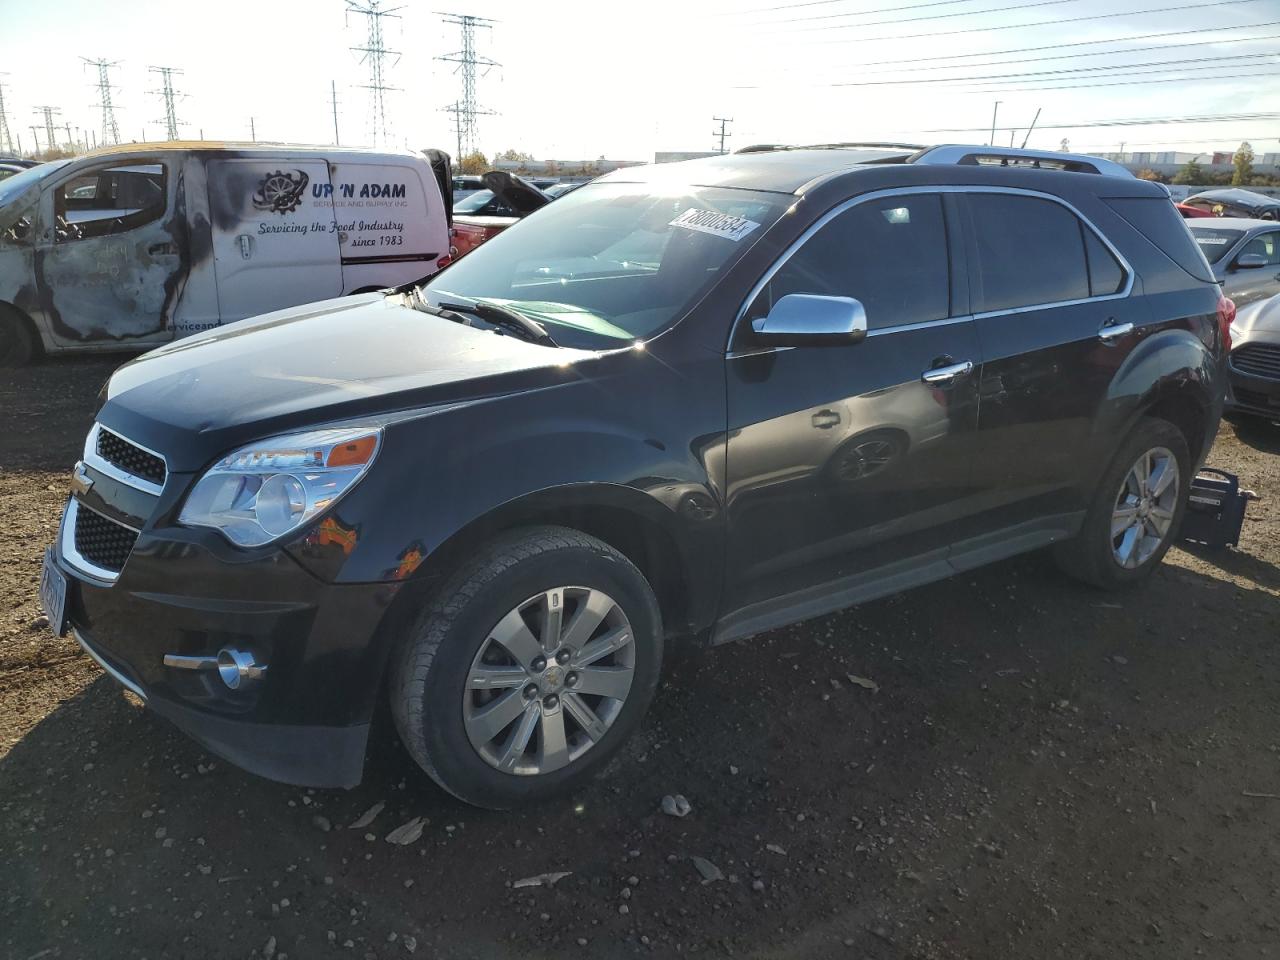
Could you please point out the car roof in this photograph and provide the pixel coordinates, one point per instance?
(210, 146)
(1231, 223)
(1237, 196)
(778, 171)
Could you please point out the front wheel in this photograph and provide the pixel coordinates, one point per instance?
(529, 669)
(1136, 510)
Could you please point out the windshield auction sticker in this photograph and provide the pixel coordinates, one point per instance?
(716, 224)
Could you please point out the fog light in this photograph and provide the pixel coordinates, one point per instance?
(237, 666)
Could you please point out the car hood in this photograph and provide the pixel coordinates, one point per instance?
(1257, 321)
(356, 357)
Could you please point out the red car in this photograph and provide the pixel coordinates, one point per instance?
(1192, 212)
(488, 212)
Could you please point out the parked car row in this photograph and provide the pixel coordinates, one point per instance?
(685, 404)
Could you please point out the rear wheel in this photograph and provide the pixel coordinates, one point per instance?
(529, 669)
(1136, 510)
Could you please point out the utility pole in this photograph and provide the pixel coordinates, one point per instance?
(253, 131)
(110, 132)
(722, 134)
(466, 109)
(48, 114)
(995, 110)
(71, 143)
(333, 97)
(168, 95)
(35, 137)
(374, 52)
(1034, 121)
(6, 138)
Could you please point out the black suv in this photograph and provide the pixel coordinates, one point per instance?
(689, 402)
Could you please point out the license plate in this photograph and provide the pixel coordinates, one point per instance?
(53, 594)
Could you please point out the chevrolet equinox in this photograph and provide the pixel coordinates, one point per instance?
(689, 402)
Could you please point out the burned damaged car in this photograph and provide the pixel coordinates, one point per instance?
(132, 247)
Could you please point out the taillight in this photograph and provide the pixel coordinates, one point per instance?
(444, 261)
(1226, 316)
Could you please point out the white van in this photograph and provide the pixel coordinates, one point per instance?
(129, 247)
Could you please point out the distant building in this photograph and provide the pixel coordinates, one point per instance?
(675, 156)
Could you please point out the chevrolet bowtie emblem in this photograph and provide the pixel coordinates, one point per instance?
(80, 482)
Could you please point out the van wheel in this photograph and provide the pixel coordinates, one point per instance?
(529, 668)
(1136, 511)
(17, 340)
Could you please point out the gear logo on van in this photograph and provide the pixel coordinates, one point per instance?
(281, 192)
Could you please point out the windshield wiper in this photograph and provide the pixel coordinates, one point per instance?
(504, 317)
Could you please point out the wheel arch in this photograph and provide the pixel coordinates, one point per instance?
(11, 311)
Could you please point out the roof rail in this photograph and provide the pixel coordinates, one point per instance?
(962, 155)
(773, 147)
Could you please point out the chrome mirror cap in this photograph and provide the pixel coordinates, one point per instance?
(801, 319)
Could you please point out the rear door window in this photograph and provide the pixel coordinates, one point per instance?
(890, 254)
(1030, 252)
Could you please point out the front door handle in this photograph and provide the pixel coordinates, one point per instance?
(825, 419)
(163, 249)
(246, 245)
(1112, 330)
(942, 376)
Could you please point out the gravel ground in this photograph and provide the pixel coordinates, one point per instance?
(1035, 769)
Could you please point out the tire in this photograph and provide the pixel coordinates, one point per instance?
(462, 637)
(17, 340)
(1094, 556)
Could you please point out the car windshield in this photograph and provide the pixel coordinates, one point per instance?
(613, 262)
(473, 201)
(1214, 241)
(19, 182)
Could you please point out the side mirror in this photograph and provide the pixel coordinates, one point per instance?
(806, 319)
(1250, 261)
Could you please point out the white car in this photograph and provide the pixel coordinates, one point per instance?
(131, 247)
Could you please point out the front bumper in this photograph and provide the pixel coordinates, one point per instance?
(306, 721)
(1255, 395)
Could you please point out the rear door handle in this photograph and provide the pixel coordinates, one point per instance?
(1112, 330)
(941, 376)
(825, 419)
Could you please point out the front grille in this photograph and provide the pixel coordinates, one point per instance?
(129, 457)
(1257, 360)
(1252, 398)
(102, 542)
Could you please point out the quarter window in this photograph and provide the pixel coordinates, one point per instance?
(1030, 252)
(890, 254)
(1106, 276)
(109, 200)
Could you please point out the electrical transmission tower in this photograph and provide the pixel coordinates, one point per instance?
(722, 133)
(6, 138)
(465, 110)
(49, 113)
(373, 53)
(166, 93)
(110, 132)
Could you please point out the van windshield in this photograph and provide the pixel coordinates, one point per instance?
(613, 262)
(19, 182)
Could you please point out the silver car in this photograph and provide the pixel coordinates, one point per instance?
(1254, 365)
(1244, 255)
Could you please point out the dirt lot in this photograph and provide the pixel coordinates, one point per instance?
(1045, 771)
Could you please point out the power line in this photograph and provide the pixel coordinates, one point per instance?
(1168, 48)
(110, 131)
(932, 16)
(1045, 75)
(824, 3)
(1084, 43)
(374, 52)
(1132, 83)
(466, 108)
(168, 96)
(1026, 26)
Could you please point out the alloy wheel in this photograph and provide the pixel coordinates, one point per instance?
(1143, 514)
(549, 680)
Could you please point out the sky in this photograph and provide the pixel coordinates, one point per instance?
(626, 80)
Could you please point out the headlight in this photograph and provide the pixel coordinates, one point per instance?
(271, 488)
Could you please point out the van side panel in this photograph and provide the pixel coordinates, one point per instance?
(392, 222)
(198, 308)
(273, 241)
